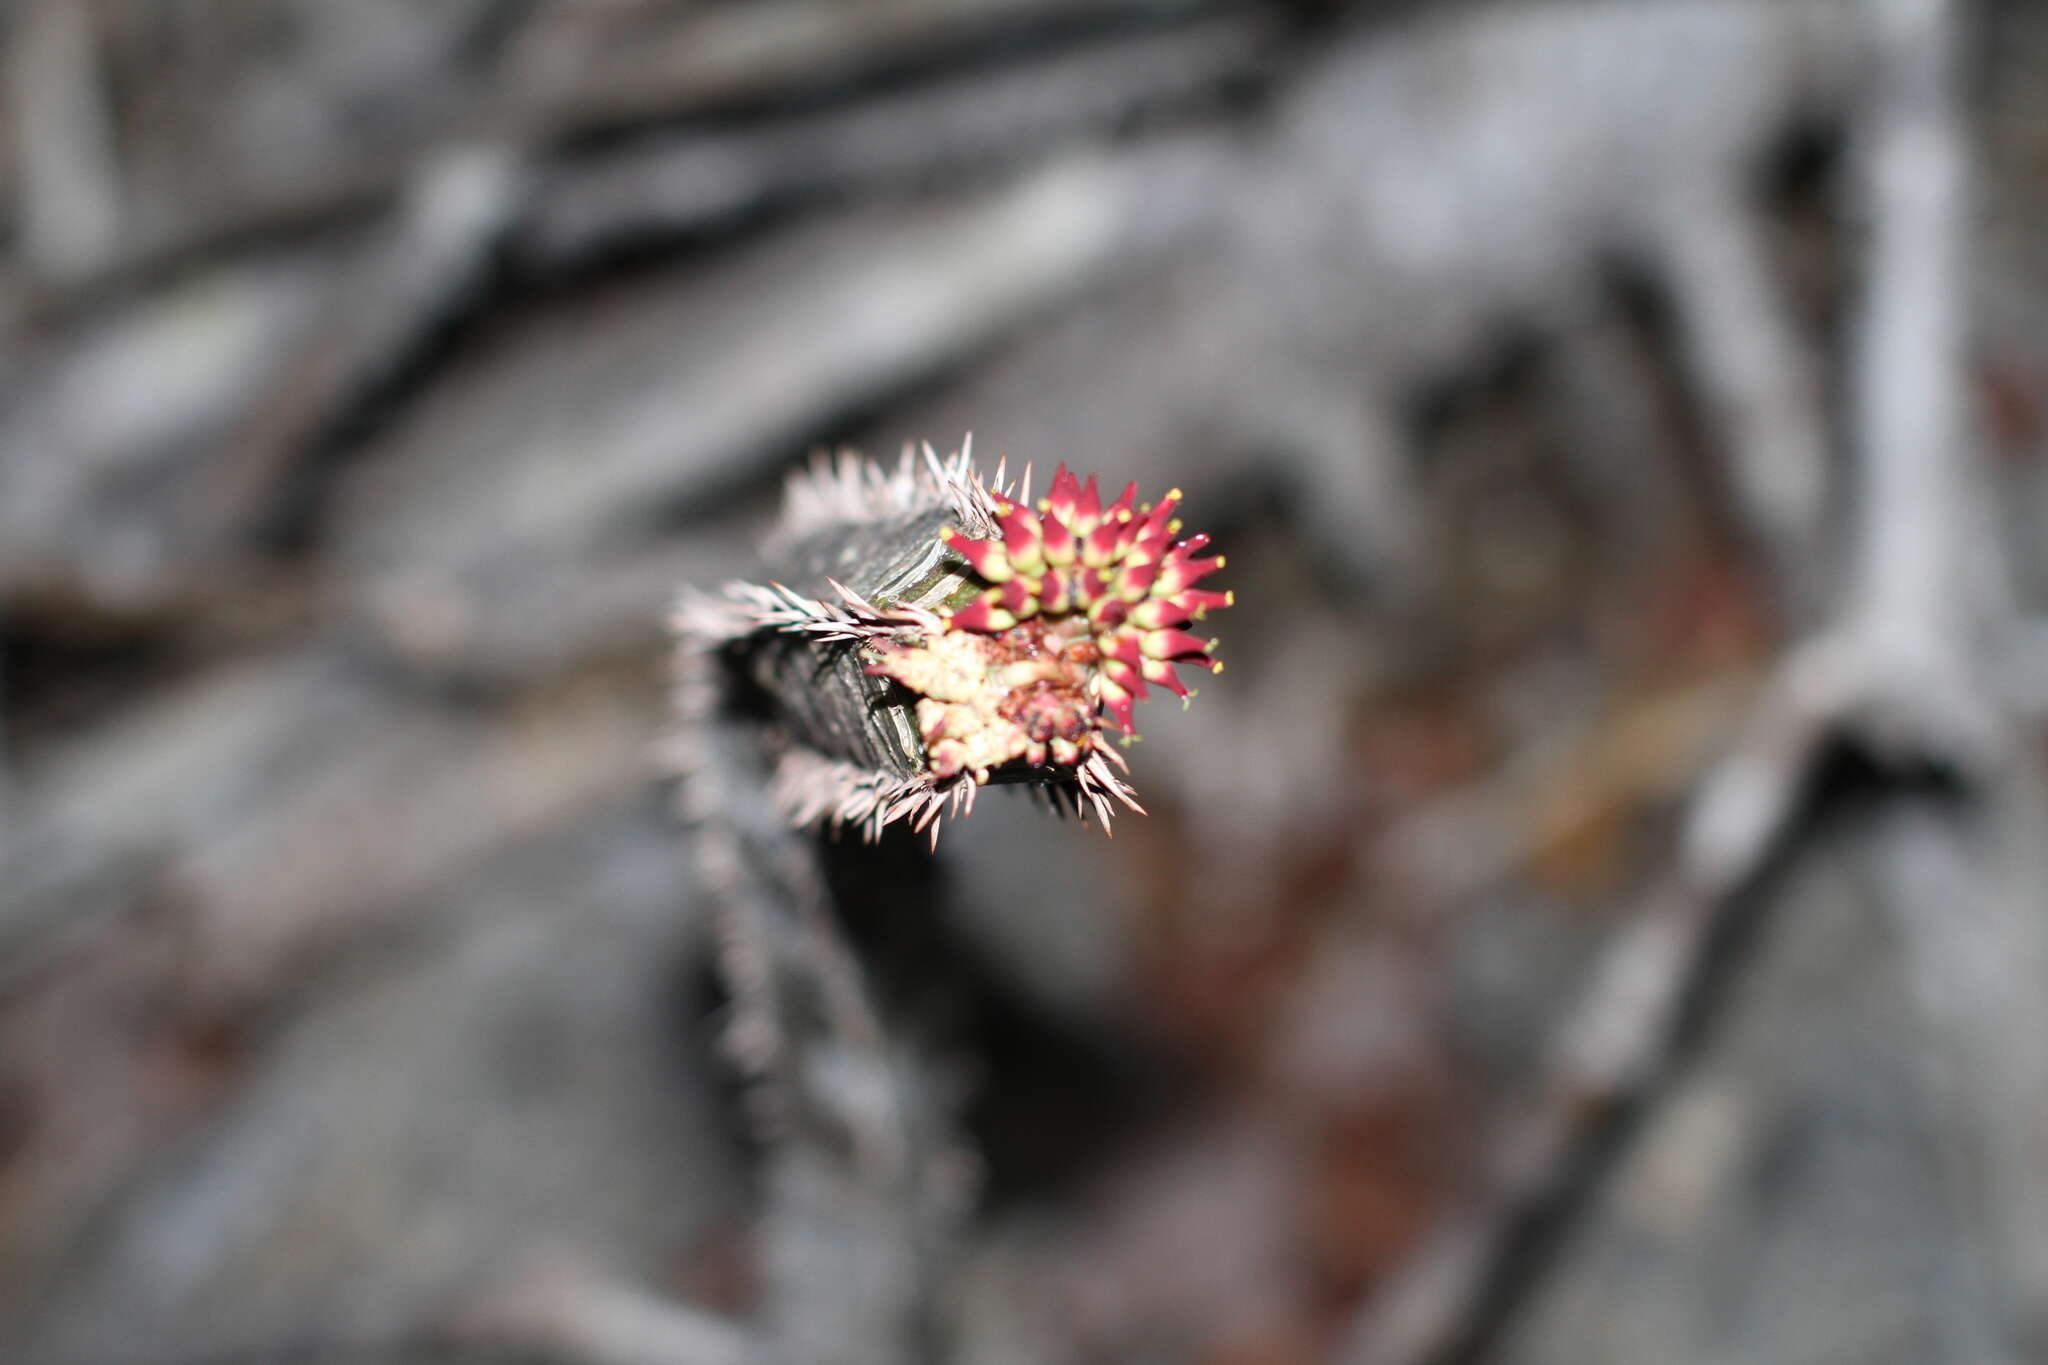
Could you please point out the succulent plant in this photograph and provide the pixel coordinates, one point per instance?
(933, 632)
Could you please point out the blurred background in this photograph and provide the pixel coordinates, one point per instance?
(1594, 919)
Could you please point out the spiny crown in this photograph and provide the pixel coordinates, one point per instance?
(1083, 613)
(1119, 566)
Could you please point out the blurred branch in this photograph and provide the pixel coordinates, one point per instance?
(1926, 595)
(1617, 1041)
(431, 262)
(543, 211)
(695, 180)
(1757, 377)
(1895, 674)
(709, 68)
(1963, 888)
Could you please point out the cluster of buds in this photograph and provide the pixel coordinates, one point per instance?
(1084, 611)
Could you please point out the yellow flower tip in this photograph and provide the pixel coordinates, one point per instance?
(1174, 495)
(1173, 527)
(1230, 598)
(1123, 514)
(1044, 506)
(948, 534)
(1216, 667)
(1221, 561)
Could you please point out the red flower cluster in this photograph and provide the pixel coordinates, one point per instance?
(1084, 610)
